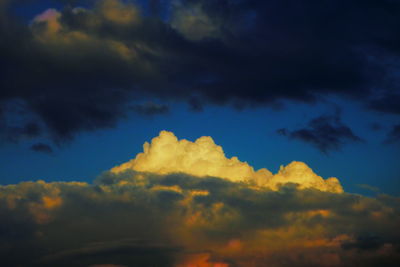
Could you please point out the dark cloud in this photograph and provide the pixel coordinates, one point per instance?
(389, 104)
(327, 133)
(144, 219)
(80, 69)
(41, 147)
(376, 126)
(150, 109)
(394, 135)
(195, 104)
(26, 131)
(366, 242)
(129, 252)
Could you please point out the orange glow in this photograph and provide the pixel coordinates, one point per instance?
(51, 202)
(200, 260)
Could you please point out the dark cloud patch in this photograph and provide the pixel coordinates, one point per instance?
(389, 104)
(16, 133)
(195, 104)
(80, 69)
(150, 109)
(327, 133)
(41, 147)
(394, 135)
(365, 242)
(375, 126)
(129, 252)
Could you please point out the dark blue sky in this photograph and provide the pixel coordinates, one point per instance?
(235, 70)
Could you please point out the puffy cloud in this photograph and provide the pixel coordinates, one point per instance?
(166, 154)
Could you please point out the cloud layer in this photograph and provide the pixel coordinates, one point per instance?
(163, 218)
(77, 69)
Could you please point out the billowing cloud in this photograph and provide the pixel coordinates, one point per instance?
(166, 154)
(80, 69)
(162, 217)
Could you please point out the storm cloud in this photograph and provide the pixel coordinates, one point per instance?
(79, 69)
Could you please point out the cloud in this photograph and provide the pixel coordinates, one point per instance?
(388, 103)
(150, 109)
(79, 69)
(394, 135)
(164, 218)
(28, 130)
(327, 133)
(166, 154)
(41, 147)
(369, 187)
(193, 23)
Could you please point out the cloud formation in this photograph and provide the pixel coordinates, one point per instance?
(327, 133)
(166, 154)
(158, 217)
(80, 69)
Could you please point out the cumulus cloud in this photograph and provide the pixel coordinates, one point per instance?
(166, 154)
(183, 204)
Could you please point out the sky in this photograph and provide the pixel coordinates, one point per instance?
(272, 120)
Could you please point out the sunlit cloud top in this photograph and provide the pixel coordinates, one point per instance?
(166, 154)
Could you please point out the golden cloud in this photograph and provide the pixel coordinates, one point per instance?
(166, 154)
